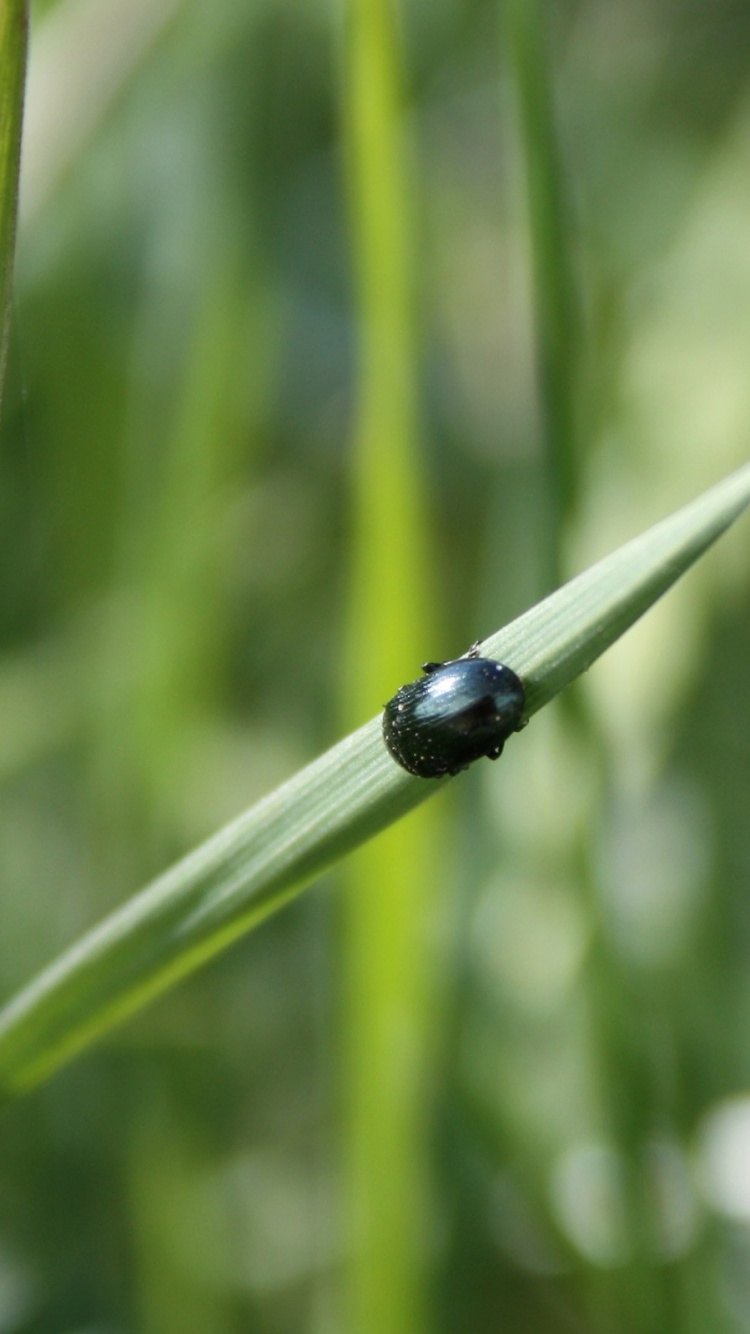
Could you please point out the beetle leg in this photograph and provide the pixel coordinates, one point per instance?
(474, 650)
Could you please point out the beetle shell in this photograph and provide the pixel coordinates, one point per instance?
(457, 712)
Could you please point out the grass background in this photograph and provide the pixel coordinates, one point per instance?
(340, 337)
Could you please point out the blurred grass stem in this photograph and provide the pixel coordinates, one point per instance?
(387, 1011)
(556, 301)
(14, 23)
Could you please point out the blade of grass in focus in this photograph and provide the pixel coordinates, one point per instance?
(13, 46)
(254, 865)
(556, 301)
(390, 882)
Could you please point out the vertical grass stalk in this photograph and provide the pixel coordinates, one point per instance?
(388, 901)
(14, 22)
(555, 296)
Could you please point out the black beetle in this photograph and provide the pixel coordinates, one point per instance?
(454, 714)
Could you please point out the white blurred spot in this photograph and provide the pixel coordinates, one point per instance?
(529, 938)
(587, 1197)
(653, 871)
(282, 1226)
(724, 1158)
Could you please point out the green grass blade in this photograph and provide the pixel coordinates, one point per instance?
(559, 638)
(254, 865)
(386, 1004)
(13, 43)
(557, 305)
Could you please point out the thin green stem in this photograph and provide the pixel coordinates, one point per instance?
(556, 300)
(14, 23)
(390, 883)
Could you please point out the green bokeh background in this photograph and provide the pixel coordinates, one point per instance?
(280, 423)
